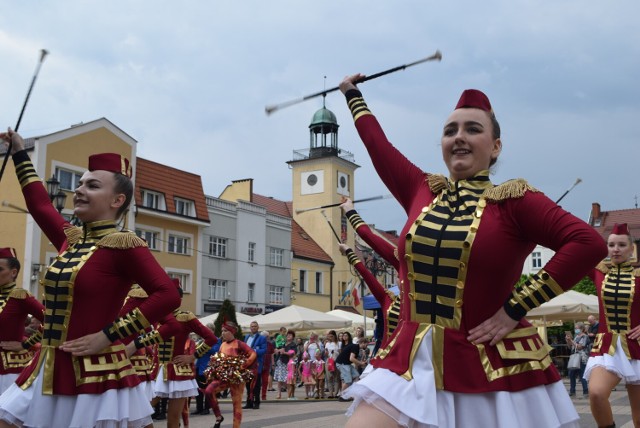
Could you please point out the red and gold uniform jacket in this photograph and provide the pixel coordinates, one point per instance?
(144, 360)
(619, 309)
(461, 253)
(389, 302)
(85, 287)
(16, 304)
(170, 339)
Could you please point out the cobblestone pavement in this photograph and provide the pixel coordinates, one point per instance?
(330, 413)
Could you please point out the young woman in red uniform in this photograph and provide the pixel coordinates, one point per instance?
(15, 306)
(80, 377)
(175, 379)
(463, 354)
(615, 354)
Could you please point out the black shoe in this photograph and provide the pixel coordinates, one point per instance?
(196, 412)
(256, 406)
(205, 412)
(248, 406)
(345, 399)
(218, 422)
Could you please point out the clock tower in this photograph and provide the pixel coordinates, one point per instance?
(322, 175)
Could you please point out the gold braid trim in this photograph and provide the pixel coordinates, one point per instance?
(19, 293)
(351, 256)
(185, 316)
(137, 291)
(602, 267)
(508, 190)
(437, 183)
(121, 241)
(73, 233)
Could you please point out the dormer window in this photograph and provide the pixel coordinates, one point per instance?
(153, 200)
(184, 207)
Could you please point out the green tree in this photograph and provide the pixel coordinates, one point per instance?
(585, 286)
(227, 313)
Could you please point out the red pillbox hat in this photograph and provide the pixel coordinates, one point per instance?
(620, 229)
(110, 162)
(7, 253)
(473, 98)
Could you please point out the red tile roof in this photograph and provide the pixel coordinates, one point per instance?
(302, 244)
(172, 183)
(609, 218)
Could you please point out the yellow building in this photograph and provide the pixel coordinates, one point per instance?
(322, 175)
(64, 155)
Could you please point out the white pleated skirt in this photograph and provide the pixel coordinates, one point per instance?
(174, 388)
(418, 404)
(115, 408)
(6, 380)
(148, 387)
(627, 370)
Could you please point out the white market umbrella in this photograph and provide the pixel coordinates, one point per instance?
(242, 318)
(357, 320)
(300, 318)
(568, 306)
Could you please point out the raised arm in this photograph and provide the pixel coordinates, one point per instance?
(400, 175)
(374, 286)
(384, 248)
(35, 195)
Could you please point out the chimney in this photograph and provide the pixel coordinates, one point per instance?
(595, 213)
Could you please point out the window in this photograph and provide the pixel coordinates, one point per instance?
(152, 238)
(68, 179)
(251, 292)
(318, 282)
(178, 244)
(217, 247)
(217, 289)
(184, 278)
(153, 200)
(276, 295)
(276, 256)
(536, 260)
(252, 252)
(303, 281)
(184, 207)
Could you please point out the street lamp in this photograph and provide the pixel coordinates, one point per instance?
(57, 196)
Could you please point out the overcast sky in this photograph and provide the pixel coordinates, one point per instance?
(190, 81)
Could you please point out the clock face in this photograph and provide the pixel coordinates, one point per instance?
(311, 182)
(343, 184)
(312, 179)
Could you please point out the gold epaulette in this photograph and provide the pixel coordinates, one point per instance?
(137, 291)
(437, 183)
(395, 253)
(602, 267)
(391, 294)
(508, 190)
(73, 233)
(636, 272)
(184, 316)
(121, 241)
(19, 293)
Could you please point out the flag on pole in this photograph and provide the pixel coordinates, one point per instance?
(354, 294)
(346, 292)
